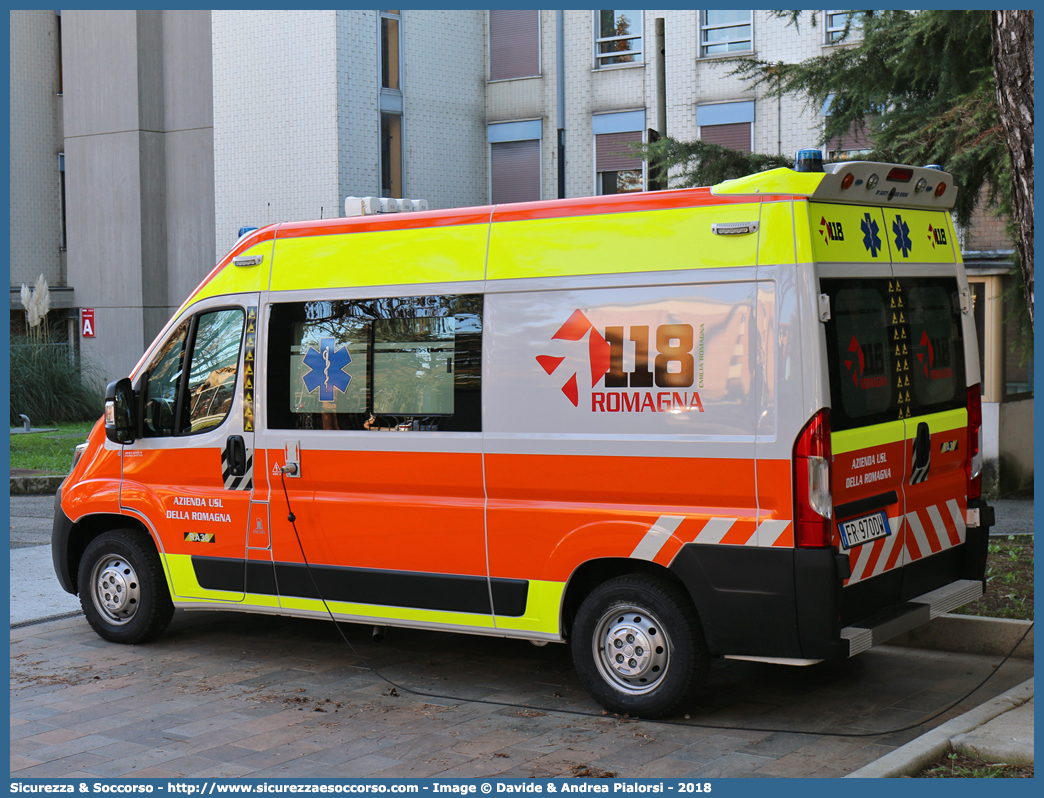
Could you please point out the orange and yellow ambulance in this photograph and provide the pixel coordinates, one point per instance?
(741, 421)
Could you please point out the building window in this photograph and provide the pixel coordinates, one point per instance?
(618, 38)
(391, 155)
(514, 161)
(391, 104)
(61, 195)
(724, 32)
(836, 22)
(514, 44)
(390, 50)
(853, 144)
(618, 169)
(1018, 358)
(58, 43)
(728, 124)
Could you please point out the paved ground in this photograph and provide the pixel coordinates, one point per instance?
(232, 695)
(229, 695)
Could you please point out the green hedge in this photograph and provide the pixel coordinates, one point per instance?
(50, 385)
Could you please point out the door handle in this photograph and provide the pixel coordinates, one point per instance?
(922, 454)
(235, 455)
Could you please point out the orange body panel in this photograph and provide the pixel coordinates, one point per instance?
(548, 514)
(180, 490)
(94, 485)
(409, 511)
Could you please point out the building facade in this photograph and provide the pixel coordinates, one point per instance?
(178, 128)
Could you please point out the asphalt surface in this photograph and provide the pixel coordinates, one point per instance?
(224, 694)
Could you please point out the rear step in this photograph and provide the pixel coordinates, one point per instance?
(910, 614)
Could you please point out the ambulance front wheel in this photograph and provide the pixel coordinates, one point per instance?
(638, 646)
(122, 589)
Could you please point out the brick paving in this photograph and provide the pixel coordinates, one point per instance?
(227, 695)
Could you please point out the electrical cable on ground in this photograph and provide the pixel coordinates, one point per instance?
(511, 705)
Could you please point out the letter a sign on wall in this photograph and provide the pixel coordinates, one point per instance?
(87, 322)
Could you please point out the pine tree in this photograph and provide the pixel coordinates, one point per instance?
(938, 86)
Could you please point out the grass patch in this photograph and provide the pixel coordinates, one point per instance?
(49, 452)
(959, 766)
(1009, 580)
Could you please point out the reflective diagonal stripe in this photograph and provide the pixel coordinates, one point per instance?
(920, 538)
(659, 533)
(862, 556)
(959, 522)
(770, 533)
(942, 534)
(714, 530)
(888, 545)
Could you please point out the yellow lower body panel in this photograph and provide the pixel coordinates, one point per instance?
(543, 605)
(543, 610)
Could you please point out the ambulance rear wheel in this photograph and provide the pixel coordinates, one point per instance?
(122, 589)
(638, 646)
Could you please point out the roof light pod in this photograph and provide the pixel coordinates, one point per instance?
(808, 161)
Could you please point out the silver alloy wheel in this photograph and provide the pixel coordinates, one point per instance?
(114, 589)
(631, 649)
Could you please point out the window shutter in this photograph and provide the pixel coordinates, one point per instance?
(613, 151)
(514, 44)
(735, 136)
(855, 139)
(515, 171)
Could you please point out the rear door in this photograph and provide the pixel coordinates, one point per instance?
(895, 347)
(935, 401)
(868, 349)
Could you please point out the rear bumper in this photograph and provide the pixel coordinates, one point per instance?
(791, 604)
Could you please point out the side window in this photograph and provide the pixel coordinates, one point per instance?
(405, 363)
(180, 404)
(160, 391)
(212, 374)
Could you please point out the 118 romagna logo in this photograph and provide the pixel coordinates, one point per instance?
(673, 366)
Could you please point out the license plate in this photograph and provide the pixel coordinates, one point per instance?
(862, 530)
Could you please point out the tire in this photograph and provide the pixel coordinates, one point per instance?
(123, 591)
(638, 646)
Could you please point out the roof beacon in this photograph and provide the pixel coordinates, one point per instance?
(808, 161)
(364, 206)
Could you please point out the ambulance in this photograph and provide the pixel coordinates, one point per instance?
(740, 421)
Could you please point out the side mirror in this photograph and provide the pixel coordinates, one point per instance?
(119, 411)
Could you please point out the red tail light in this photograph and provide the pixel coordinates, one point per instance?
(900, 175)
(973, 459)
(813, 501)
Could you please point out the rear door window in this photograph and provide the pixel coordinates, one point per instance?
(895, 349)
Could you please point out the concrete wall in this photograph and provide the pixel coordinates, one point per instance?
(358, 117)
(36, 140)
(276, 129)
(1016, 445)
(137, 115)
(444, 91)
